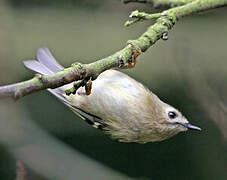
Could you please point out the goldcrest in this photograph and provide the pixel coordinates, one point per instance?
(118, 104)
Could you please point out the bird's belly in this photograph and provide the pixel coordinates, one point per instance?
(111, 99)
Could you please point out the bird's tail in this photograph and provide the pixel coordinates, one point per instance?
(46, 64)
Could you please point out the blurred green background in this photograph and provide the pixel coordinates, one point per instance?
(188, 71)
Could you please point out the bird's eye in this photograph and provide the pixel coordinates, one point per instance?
(172, 115)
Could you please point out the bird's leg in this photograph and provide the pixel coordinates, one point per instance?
(88, 87)
(135, 54)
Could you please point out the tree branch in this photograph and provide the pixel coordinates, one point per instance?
(120, 59)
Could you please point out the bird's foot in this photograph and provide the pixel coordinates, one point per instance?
(135, 54)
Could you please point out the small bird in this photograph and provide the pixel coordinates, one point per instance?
(118, 104)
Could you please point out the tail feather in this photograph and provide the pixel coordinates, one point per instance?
(45, 57)
(46, 64)
(37, 67)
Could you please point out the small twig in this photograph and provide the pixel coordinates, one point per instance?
(20, 171)
(130, 22)
(76, 86)
(139, 16)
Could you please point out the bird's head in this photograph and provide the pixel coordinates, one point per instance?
(163, 121)
(177, 121)
(171, 122)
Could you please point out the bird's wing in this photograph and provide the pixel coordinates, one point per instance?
(47, 64)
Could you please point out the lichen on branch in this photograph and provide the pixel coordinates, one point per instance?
(121, 59)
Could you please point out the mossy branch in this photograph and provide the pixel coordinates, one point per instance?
(121, 59)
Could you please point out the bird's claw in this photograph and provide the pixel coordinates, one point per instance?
(88, 87)
(135, 54)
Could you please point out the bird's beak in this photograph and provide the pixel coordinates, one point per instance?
(190, 126)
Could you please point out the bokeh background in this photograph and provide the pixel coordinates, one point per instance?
(188, 71)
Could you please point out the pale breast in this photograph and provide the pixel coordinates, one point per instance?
(114, 95)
